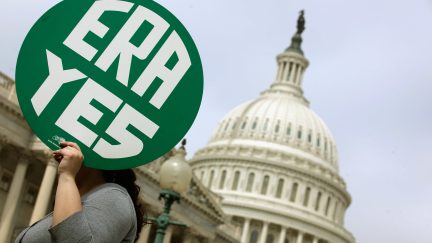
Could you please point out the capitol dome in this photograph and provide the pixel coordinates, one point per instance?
(278, 122)
(273, 161)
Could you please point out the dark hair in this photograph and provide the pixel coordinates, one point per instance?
(126, 179)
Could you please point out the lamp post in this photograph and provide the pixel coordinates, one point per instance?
(175, 176)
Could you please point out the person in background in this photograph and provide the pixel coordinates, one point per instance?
(91, 205)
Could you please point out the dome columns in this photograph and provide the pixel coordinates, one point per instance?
(291, 67)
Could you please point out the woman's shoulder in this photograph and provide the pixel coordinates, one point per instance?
(106, 190)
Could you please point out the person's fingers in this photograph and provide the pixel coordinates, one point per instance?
(71, 144)
(58, 157)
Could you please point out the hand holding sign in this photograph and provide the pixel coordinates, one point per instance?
(121, 78)
(70, 158)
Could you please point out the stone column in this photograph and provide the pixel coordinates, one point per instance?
(300, 237)
(285, 71)
(45, 191)
(168, 234)
(315, 239)
(264, 231)
(12, 200)
(145, 233)
(299, 73)
(245, 231)
(293, 72)
(282, 235)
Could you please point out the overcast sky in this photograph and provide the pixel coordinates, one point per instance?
(370, 79)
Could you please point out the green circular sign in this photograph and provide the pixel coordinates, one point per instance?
(123, 79)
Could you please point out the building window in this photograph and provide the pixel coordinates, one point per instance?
(277, 126)
(279, 188)
(306, 198)
(202, 175)
(234, 124)
(318, 200)
(222, 180)
(289, 129)
(254, 124)
(226, 125)
(5, 181)
(31, 194)
(265, 185)
(299, 133)
(250, 182)
(310, 136)
(211, 179)
(270, 238)
(236, 180)
(327, 206)
(254, 237)
(294, 192)
(244, 124)
(265, 124)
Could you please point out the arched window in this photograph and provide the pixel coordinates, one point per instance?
(270, 238)
(226, 125)
(294, 192)
(236, 180)
(254, 124)
(264, 186)
(306, 198)
(250, 182)
(253, 237)
(289, 129)
(327, 206)
(318, 200)
(265, 124)
(279, 188)
(211, 179)
(277, 126)
(299, 133)
(244, 124)
(222, 180)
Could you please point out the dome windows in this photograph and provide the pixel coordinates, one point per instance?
(279, 189)
(327, 206)
(277, 126)
(236, 180)
(318, 201)
(306, 197)
(254, 123)
(222, 180)
(209, 185)
(250, 182)
(294, 189)
(299, 132)
(264, 186)
(310, 136)
(289, 129)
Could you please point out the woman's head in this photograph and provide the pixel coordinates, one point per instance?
(126, 178)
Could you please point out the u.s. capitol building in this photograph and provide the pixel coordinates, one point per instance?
(274, 162)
